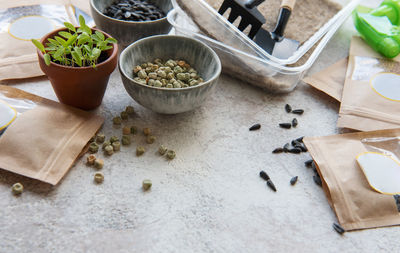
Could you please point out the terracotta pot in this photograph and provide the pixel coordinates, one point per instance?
(82, 87)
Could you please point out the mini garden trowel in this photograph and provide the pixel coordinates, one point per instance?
(248, 12)
(274, 42)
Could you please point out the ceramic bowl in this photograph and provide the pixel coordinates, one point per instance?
(170, 100)
(127, 32)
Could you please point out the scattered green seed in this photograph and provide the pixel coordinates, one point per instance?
(17, 188)
(171, 154)
(98, 177)
(162, 150)
(98, 164)
(130, 110)
(100, 138)
(109, 150)
(116, 145)
(117, 120)
(140, 151)
(126, 130)
(90, 159)
(114, 139)
(124, 115)
(146, 131)
(93, 147)
(146, 184)
(126, 140)
(150, 139)
(105, 144)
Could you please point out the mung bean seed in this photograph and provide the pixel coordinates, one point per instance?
(130, 110)
(99, 177)
(126, 140)
(98, 164)
(17, 188)
(90, 159)
(162, 150)
(109, 150)
(93, 147)
(117, 120)
(124, 115)
(150, 139)
(171, 154)
(126, 130)
(140, 151)
(114, 139)
(105, 144)
(146, 184)
(100, 138)
(116, 146)
(146, 131)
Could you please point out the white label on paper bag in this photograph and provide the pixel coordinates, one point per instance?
(381, 171)
(387, 85)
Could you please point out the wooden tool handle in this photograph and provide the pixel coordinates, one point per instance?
(288, 4)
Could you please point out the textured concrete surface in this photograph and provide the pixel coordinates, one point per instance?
(209, 199)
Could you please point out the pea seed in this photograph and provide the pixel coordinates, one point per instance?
(100, 138)
(151, 82)
(146, 184)
(170, 86)
(93, 147)
(126, 140)
(142, 74)
(162, 150)
(193, 83)
(181, 63)
(98, 177)
(109, 150)
(126, 130)
(98, 164)
(171, 154)
(146, 131)
(161, 74)
(90, 159)
(170, 76)
(105, 144)
(133, 129)
(158, 61)
(137, 69)
(124, 115)
(164, 82)
(178, 70)
(116, 146)
(185, 86)
(144, 65)
(150, 139)
(140, 151)
(17, 188)
(153, 75)
(130, 110)
(158, 84)
(183, 76)
(176, 85)
(117, 120)
(113, 139)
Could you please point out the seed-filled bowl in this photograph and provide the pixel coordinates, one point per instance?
(170, 100)
(121, 26)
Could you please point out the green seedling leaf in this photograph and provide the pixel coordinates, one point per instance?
(69, 26)
(95, 53)
(47, 59)
(61, 41)
(83, 39)
(106, 48)
(95, 38)
(99, 35)
(77, 58)
(71, 40)
(82, 21)
(57, 55)
(78, 50)
(111, 40)
(66, 35)
(39, 45)
(53, 42)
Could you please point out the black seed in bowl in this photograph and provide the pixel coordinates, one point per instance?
(255, 127)
(134, 10)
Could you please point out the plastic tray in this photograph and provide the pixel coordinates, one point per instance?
(245, 61)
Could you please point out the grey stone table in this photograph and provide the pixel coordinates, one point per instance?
(210, 198)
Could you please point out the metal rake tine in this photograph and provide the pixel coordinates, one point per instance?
(243, 24)
(233, 16)
(253, 31)
(224, 7)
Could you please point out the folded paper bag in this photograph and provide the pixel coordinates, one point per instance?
(43, 142)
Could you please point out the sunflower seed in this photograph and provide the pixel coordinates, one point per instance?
(285, 125)
(271, 185)
(264, 175)
(277, 150)
(338, 228)
(294, 150)
(298, 111)
(300, 139)
(255, 127)
(317, 180)
(295, 122)
(293, 180)
(288, 108)
(286, 148)
(309, 163)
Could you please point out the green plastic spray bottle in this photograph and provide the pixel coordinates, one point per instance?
(379, 27)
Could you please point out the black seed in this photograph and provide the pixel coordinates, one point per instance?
(294, 150)
(397, 198)
(271, 185)
(288, 108)
(300, 139)
(308, 163)
(277, 150)
(264, 175)
(286, 148)
(302, 147)
(317, 180)
(285, 125)
(295, 143)
(298, 111)
(295, 122)
(293, 180)
(338, 228)
(255, 127)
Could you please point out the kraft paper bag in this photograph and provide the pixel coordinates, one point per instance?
(356, 204)
(46, 137)
(371, 93)
(23, 20)
(330, 80)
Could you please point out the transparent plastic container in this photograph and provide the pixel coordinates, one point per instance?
(248, 62)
